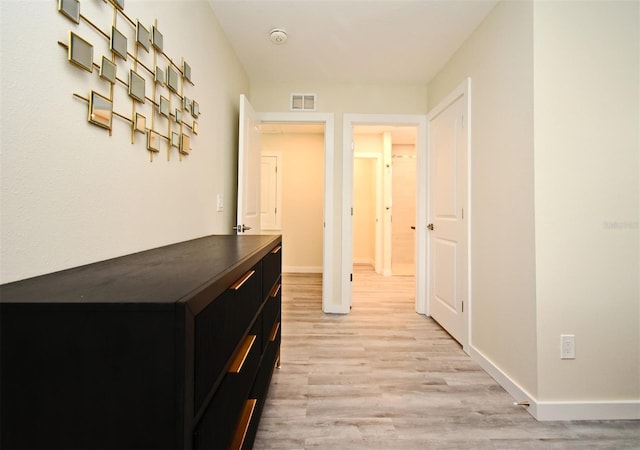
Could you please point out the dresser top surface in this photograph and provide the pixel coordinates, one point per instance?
(162, 275)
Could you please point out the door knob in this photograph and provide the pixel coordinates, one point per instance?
(430, 226)
(241, 228)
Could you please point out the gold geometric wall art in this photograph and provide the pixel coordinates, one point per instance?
(165, 127)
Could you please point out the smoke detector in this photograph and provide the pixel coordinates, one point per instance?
(278, 36)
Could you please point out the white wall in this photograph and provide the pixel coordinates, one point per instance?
(587, 92)
(555, 199)
(71, 194)
(302, 171)
(499, 59)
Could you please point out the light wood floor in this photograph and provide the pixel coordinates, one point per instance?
(384, 377)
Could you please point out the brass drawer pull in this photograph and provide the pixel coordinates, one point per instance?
(242, 353)
(277, 249)
(243, 424)
(235, 286)
(275, 291)
(274, 332)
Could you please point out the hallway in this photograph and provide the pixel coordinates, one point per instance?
(384, 377)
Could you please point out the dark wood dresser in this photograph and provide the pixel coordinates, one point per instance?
(168, 348)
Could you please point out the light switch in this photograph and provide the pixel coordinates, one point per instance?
(219, 203)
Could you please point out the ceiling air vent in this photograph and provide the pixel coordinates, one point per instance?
(303, 102)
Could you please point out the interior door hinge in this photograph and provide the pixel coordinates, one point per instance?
(351, 277)
(462, 305)
(462, 213)
(352, 211)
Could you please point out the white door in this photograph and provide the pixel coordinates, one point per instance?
(448, 224)
(269, 193)
(403, 183)
(248, 217)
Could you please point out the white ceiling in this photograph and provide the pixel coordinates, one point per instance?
(346, 41)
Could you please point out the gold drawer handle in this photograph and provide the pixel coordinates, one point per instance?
(243, 424)
(235, 286)
(277, 249)
(241, 354)
(274, 332)
(275, 291)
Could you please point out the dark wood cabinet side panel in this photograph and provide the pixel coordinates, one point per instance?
(76, 379)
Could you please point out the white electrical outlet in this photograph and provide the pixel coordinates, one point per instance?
(567, 346)
(219, 203)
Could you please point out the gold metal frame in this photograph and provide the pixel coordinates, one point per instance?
(136, 90)
(140, 124)
(118, 43)
(108, 70)
(185, 144)
(172, 79)
(186, 70)
(70, 9)
(78, 45)
(159, 76)
(163, 107)
(143, 38)
(195, 109)
(102, 117)
(153, 141)
(156, 38)
(175, 139)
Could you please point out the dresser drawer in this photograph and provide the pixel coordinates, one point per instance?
(220, 420)
(271, 312)
(272, 267)
(219, 328)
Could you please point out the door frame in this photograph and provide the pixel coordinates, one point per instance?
(420, 122)
(463, 89)
(329, 257)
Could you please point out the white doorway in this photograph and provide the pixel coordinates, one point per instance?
(418, 122)
(330, 256)
(293, 156)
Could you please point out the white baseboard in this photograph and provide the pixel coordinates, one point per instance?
(569, 410)
(519, 394)
(301, 269)
(596, 410)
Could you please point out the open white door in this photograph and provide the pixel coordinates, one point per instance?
(248, 217)
(448, 199)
